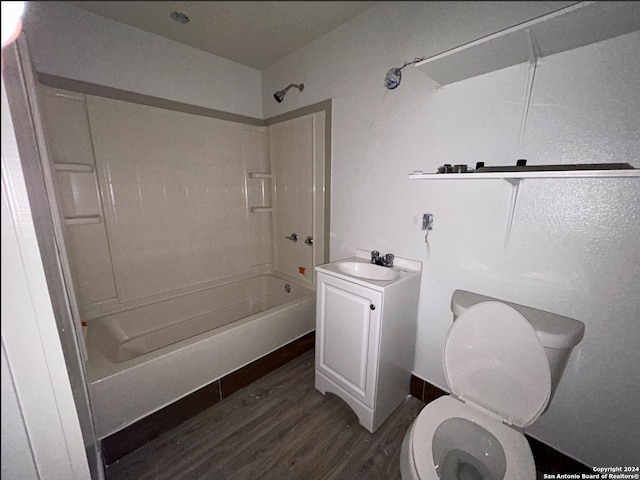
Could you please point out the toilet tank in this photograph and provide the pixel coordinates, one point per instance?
(558, 334)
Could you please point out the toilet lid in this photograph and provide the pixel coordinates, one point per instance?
(493, 358)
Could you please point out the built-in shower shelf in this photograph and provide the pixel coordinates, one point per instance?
(73, 167)
(261, 209)
(571, 27)
(83, 219)
(259, 175)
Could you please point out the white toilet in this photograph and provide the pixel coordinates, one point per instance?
(502, 362)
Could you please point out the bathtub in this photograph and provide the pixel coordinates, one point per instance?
(143, 359)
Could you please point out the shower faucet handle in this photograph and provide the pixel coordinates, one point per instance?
(293, 237)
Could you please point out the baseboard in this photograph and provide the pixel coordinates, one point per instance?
(548, 459)
(138, 434)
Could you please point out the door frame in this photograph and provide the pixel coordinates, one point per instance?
(33, 182)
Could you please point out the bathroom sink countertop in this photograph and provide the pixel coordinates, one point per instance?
(403, 269)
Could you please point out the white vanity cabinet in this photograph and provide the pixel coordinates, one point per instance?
(365, 338)
(348, 331)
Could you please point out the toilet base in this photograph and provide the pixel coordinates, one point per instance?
(407, 468)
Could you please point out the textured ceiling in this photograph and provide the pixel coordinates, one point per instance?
(256, 34)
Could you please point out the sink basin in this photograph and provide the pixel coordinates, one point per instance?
(368, 271)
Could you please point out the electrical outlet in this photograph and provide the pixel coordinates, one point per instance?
(427, 221)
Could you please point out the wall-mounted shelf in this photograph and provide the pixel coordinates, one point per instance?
(259, 175)
(261, 209)
(83, 220)
(73, 167)
(515, 179)
(524, 175)
(575, 26)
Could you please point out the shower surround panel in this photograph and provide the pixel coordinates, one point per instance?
(176, 208)
(155, 201)
(70, 147)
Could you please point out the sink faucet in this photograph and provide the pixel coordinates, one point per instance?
(383, 260)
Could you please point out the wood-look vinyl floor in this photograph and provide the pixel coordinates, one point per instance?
(279, 427)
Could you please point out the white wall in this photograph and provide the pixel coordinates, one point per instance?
(70, 42)
(575, 247)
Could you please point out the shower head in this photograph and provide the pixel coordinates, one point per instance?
(394, 75)
(279, 95)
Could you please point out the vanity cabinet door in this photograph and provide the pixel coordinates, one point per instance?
(348, 330)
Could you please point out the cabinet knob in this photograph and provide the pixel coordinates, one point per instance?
(372, 307)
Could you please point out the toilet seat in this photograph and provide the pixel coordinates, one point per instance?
(519, 466)
(493, 358)
(496, 367)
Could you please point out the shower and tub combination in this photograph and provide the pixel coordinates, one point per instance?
(145, 358)
(175, 227)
